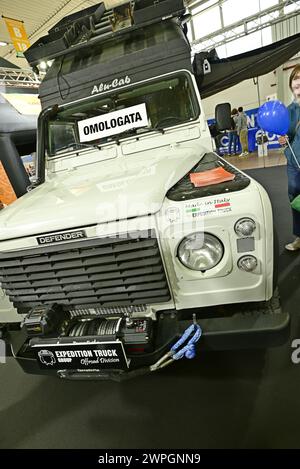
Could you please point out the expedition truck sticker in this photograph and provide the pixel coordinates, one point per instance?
(113, 123)
(209, 207)
(95, 355)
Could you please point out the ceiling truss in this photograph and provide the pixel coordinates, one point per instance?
(18, 77)
(263, 19)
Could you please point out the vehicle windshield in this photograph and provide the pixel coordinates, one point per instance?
(150, 106)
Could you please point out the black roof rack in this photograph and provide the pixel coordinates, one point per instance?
(96, 24)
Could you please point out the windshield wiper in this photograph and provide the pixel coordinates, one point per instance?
(117, 139)
(77, 146)
(134, 132)
(167, 121)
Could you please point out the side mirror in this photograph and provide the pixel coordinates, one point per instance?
(223, 116)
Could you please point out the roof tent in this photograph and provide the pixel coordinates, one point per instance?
(153, 44)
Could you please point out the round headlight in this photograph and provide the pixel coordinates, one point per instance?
(200, 251)
(247, 263)
(245, 227)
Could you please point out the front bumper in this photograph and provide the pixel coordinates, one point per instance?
(248, 326)
(240, 332)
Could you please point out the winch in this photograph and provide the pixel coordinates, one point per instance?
(40, 323)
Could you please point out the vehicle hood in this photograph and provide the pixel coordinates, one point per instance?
(121, 188)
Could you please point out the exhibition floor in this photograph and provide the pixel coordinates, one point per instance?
(253, 161)
(241, 399)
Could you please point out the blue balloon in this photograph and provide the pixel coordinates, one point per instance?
(273, 117)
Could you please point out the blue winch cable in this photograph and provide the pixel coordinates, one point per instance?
(176, 353)
(189, 350)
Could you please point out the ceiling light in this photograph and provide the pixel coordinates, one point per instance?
(43, 65)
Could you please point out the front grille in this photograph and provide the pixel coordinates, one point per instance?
(97, 272)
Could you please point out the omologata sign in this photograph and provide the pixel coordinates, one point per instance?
(113, 123)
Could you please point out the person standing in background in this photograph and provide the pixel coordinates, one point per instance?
(242, 130)
(293, 171)
(232, 134)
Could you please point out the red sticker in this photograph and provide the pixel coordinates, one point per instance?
(227, 204)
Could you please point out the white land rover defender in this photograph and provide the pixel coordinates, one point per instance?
(116, 253)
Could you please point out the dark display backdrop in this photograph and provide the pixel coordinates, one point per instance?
(232, 70)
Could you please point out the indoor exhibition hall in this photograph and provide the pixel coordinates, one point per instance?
(149, 230)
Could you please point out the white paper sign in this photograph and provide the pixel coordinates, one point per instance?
(113, 123)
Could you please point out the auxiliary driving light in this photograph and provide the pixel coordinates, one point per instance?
(200, 251)
(245, 227)
(247, 263)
